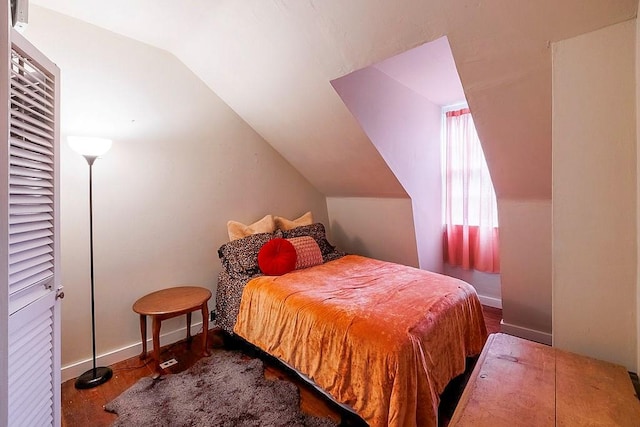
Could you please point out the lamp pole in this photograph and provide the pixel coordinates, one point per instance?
(97, 375)
(90, 161)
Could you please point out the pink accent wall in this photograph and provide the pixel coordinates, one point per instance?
(405, 128)
(429, 70)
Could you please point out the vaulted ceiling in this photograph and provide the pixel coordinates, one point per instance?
(272, 61)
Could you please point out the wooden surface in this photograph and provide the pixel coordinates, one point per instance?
(594, 393)
(172, 300)
(86, 407)
(168, 303)
(519, 382)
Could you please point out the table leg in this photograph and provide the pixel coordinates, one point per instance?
(189, 330)
(143, 332)
(205, 329)
(156, 346)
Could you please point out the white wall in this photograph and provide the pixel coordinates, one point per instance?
(374, 227)
(405, 128)
(182, 164)
(487, 285)
(594, 195)
(525, 263)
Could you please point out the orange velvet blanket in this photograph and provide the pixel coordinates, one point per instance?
(383, 338)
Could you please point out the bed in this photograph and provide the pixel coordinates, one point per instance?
(381, 338)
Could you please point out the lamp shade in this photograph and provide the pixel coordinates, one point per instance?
(89, 146)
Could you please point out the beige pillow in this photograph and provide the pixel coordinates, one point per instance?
(288, 224)
(237, 230)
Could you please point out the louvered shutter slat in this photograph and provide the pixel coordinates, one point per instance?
(32, 346)
(29, 200)
(27, 154)
(17, 161)
(29, 244)
(30, 155)
(32, 118)
(33, 112)
(27, 326)
(22, 99)
(32, 418)
(22, 275)
(38, 251)
(30, 264)
(35, 418)
(30, 217)
(24, 237)
(25, 339)
(24, 396)
(23, 373)
(29, 255)
(18, 105)
(20, 189)
(31, 96)
(27, 145)
(28, 331)
(30, 226)
(21, 124)
(29, 77)
(28, 209)
(29, 182)
(45, 142)
(29, 290)
(37, 79)
(26, 172)
(44, 418)
(30, 342)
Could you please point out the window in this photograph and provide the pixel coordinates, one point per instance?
(470, 207)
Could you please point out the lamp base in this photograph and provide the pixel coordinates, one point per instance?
(93, 378)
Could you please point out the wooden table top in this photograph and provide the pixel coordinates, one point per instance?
(172, 300)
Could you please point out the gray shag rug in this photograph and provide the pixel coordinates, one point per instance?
(224, 389)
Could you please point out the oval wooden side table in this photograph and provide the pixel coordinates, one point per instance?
(165, 304)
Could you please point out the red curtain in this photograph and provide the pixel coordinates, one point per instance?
(471, 214)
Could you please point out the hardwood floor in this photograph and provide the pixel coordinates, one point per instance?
(86, 407)
(492, 318)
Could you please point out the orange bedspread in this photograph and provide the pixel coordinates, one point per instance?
(383, 338)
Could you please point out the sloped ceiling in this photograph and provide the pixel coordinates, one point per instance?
(428, 70)
(272, 62)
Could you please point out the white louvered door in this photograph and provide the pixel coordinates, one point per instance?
(31, 243)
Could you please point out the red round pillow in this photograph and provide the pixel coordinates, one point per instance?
(277, 257)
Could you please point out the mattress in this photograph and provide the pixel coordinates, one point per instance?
(382, 338)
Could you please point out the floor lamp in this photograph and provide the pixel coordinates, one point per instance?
(91, 149)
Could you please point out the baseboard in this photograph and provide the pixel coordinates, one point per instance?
(526, 333)
(490, 301)
(76, 369)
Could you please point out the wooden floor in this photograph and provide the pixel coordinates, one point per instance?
(86, 407)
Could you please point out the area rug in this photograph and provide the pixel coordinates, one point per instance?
(224, 389)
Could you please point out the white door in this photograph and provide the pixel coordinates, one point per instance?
(30, 223)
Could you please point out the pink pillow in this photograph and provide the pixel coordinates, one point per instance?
(307, 251)
(277, 257)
